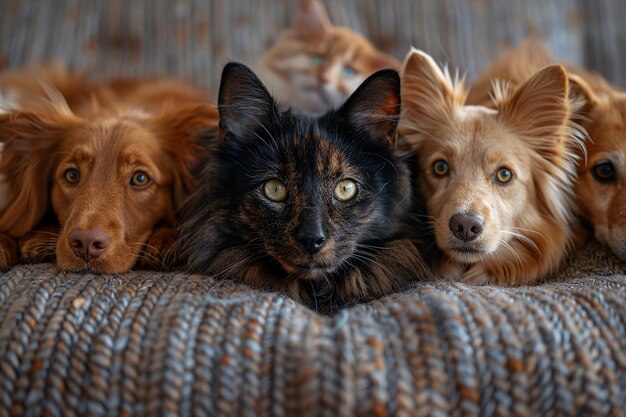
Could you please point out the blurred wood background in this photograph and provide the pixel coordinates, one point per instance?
(193, 39)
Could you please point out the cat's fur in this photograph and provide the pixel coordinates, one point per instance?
(314, 66)
(232, 228)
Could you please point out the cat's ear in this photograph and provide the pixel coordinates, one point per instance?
(311, 18)
(243, 100)
(375, 106)
(429, 95)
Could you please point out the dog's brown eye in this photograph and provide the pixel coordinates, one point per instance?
(71, 176)
(604, 172)
(140, 179)
(504, 175)
(275, 190)
(345, 190)
(441, 168)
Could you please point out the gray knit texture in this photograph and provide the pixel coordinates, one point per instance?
(170, 344)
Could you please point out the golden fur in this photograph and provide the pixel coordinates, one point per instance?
(108, 133)
(526, 223)
(314, 66)
(603, 115)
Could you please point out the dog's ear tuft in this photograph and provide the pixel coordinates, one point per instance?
(28, 160)
(429, 95)
(243, 101)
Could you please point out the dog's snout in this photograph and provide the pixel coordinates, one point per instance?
(88, 244)
(466, 226)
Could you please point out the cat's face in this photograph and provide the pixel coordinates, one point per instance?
(306, 194)
(315, 66)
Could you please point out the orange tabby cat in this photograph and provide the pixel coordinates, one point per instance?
(314, 66)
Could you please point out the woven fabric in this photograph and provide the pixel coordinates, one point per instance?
(147, 343)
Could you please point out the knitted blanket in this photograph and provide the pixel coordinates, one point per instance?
(150, 343)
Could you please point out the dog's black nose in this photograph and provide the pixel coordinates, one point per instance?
(310, 232)
(466, 226)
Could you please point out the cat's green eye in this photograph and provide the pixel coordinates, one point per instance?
(275, 190)
(504, 176)
(441, 168)
(316, 59)
(348, 72)
(345, 190)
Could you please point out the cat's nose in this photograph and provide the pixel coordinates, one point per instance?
(323, 77)
(466, 226)
(310, 232)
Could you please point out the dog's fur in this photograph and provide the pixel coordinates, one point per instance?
(108, 132)
(602, 201)
(526, 223)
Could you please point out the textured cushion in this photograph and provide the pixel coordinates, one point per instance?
(147, 343)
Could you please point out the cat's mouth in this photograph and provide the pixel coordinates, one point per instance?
(314, 268)
(309, 270)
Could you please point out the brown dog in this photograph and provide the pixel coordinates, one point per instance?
(95, 172)
(601, 184)
(497, 181)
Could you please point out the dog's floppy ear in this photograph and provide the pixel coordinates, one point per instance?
(375, 106)
(540, 110)
(429, 95)
(28, 160)
(243, 101)
(181, 130)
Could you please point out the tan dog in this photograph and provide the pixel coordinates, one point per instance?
(497, 182)
(600, 189)
(95, 174)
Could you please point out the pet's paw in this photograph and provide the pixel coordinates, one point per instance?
(451, 271)
(157, 248)
(37, 246)
(8, 252)
(476, 275)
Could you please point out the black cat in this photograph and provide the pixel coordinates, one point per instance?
(314, 208)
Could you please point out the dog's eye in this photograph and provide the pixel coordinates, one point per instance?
(604, 172)
(345, 190)
(441, 168)
(71, 176)
(504, 175)
(140, 179)
(275, 190)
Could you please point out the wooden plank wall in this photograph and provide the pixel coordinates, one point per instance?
(195, 38)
